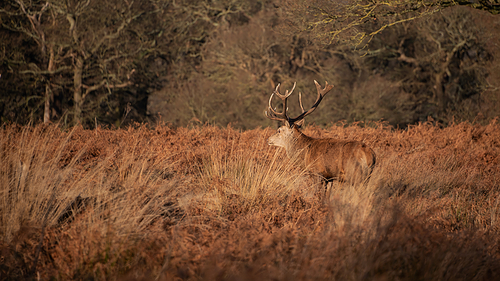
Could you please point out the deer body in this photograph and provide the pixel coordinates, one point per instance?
(330, 158)
(350, 161)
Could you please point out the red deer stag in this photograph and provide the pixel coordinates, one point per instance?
(349, 161)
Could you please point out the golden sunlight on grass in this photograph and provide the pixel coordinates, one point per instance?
(244, 174)
(218, 204)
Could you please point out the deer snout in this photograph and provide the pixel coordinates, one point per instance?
(274, 140)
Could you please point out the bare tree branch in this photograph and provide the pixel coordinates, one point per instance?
(89, 89)
(45, 72)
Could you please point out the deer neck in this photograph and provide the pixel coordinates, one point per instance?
(298, 143)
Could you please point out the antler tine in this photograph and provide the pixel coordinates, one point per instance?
(321, 95)
(323, 91)
(300, 102)
(287, 94)
(272, 113)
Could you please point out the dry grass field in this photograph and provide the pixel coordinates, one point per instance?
(213, 203)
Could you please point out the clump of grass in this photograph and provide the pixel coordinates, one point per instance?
(120, 195)
(31, 178)
(245, 173)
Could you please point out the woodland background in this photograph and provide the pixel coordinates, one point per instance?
(195, 62)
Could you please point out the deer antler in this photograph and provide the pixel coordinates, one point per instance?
(321, 95)
(274, 115)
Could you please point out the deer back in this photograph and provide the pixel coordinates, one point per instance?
(338, 159)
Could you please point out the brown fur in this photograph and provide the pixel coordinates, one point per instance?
(350, 161)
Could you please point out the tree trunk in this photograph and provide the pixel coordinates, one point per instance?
(77, 94)
(441, 98)
(46, 108)
(48, 92)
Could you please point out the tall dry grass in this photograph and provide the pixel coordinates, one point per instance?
(251, 176)
(219, 204)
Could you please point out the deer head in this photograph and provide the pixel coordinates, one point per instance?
(286, 134)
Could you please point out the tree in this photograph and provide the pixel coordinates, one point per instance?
(358, 21)
(434, 66)
(85, 47)
(421, 58)
(31, 25)
(440, 61)
(204, 74)
(20, 95)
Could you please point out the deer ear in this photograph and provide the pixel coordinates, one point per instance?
(299, 123)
